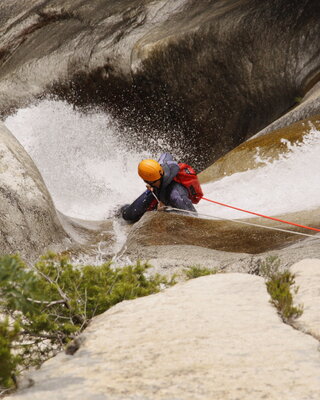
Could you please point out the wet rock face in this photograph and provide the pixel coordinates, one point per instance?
(164, 228)
(28, 220)
(309, 105)
(218, 70)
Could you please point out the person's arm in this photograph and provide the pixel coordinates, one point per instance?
(135, 211)
(179, 198)
(170, 168)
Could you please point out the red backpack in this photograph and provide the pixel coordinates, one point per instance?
(187, 177)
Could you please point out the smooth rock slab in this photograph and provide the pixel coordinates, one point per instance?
(307, 274)
(29, 223)
(215, 337)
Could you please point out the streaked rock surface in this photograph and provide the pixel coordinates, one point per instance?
(203, 68)
(309, 105)
(215, 337)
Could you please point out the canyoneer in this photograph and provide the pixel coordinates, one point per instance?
(168, 184)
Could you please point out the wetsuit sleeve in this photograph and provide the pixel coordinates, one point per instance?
(135, 211)
(178, 197)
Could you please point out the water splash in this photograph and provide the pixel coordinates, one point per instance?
(288, 184)
(89, 169)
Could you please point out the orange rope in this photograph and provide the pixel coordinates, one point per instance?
(261, 215)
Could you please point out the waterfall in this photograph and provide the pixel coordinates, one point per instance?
(287, 184)
(91, 170)
(88, 169)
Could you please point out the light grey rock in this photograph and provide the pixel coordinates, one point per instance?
(215, 337)
(171, 260)
(307, 273)
(28, 220)
(304, 248)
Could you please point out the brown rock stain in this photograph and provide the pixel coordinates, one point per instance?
(162, 228)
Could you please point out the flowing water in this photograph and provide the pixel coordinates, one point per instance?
(90, 170)
(286, 185)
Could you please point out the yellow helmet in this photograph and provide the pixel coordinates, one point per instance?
(150, 170)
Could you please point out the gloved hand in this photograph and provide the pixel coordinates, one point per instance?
(121, 210)
(161, 206)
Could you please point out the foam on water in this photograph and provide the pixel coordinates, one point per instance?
(90, 170)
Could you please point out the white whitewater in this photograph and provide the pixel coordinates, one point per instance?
(90, 171)
(289, 184)
(86, 167)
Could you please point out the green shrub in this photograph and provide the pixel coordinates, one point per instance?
(53, 301)
(270, 266)
(8, 361)
(281, 285)
(194, 271)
